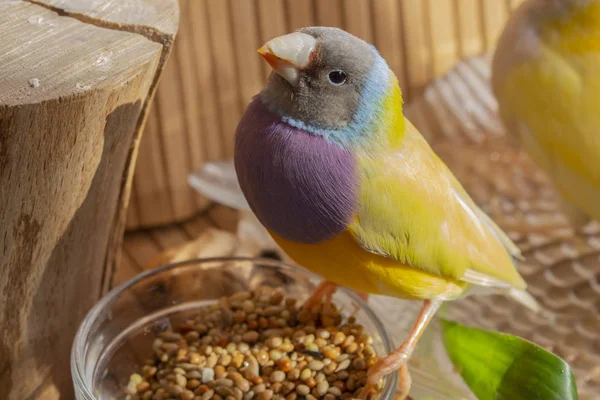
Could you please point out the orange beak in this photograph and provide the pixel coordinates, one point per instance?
(269, 57)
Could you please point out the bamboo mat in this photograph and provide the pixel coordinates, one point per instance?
(458, 115)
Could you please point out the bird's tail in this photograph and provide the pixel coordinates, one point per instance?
(525, 299)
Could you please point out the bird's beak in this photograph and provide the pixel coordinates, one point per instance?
(288, 54)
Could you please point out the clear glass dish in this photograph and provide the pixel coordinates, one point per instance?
(116, 336)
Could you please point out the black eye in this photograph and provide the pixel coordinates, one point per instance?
(337, 77)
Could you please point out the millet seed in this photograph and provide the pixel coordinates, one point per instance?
(257, 345)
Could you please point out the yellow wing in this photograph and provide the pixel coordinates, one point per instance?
(549, 98)
(413, 209)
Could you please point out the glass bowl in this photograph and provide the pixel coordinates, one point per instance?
(116, 336)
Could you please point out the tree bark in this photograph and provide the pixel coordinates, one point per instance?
(76, 80)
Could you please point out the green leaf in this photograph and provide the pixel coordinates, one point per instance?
(498, 366)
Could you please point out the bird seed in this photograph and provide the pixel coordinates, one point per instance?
(257, 345)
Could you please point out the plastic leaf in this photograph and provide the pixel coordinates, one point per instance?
(498, 366)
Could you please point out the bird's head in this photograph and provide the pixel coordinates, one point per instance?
(328, 81)
(544, 10)
(572, 26)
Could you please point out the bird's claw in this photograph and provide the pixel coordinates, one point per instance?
(371, 385)
(404, 383)
(367, 391)
(322, 296)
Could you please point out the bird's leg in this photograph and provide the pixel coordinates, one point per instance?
(322, 295)
(364, 297)
(398, 358)
(404, 381)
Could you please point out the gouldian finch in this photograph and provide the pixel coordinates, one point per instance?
(546, 78)
(351, 190)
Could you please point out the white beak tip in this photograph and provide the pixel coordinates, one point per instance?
(295, 48)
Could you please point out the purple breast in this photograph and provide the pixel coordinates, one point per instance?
(299, 185)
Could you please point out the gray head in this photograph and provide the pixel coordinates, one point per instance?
(319, 75)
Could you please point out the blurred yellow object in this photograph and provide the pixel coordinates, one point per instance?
(546, 78)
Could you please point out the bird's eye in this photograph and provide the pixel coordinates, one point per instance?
(337, 77)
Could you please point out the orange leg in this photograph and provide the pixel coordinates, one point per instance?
(364, 297)
(322, 295)
(398, 358)
(405, 382)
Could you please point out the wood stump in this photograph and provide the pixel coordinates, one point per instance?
(76, 81)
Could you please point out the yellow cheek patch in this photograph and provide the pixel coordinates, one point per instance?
(394, 118)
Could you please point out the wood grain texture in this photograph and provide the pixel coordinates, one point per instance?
(154, 202)
(226, 77)
(299, 13)
(443, 35)
(469, 25)
(218, 71)
(146, 17)
(387, 35)
(246, 40)
(127, 269)
(192, 238)
(494, 15)
(132, 210)
(173, 140)
(73, 96)
(210, 243)
(357, 18)
(417, 42)
(329, 13)
(271, 23)
(208, 112)
(194, 146)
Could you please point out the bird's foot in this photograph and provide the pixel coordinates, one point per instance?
(397, 361)
(322, 295)
(367, 391)
(404, 382)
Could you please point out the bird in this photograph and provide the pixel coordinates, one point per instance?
(545, 79)
(349, 188)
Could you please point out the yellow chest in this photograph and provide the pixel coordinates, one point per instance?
(344, 262)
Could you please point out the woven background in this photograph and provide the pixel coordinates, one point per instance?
(457, 114)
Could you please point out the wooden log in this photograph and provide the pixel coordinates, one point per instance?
(76, 80)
